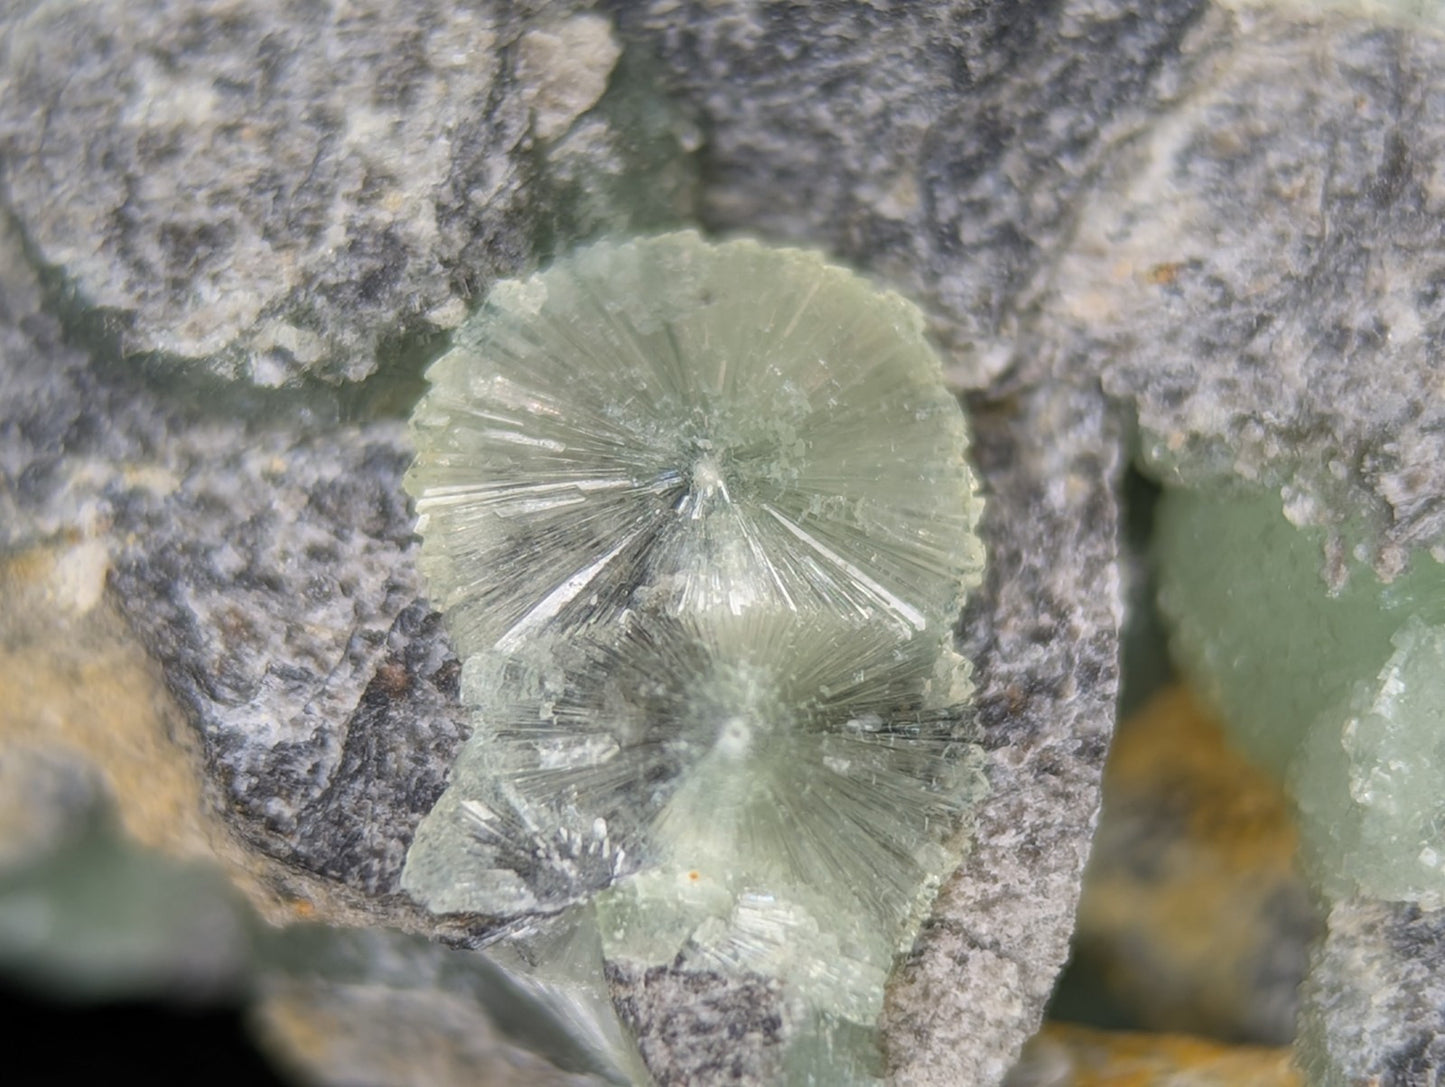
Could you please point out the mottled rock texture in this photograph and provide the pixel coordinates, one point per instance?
(1261, 279)
(269, 194)
(266, 560)
(702, 1027)
(1043, 632)
(65, 431)
(1374, 997)
(943, 146)
(274, 582)
(282, 190)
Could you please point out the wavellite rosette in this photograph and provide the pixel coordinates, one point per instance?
(696, 426)
(700, 520)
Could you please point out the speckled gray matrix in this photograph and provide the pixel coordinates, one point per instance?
(1220, 219)
(1374, 996)
(279, 190)
(1263, 280)
(943, 146)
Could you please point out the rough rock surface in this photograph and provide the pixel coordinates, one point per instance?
(263, 567)
(1373, 998)
(1043, 633)
(275, 582)
(65, 432)
(282, 190)
(1262, 279)
(943, 146)
(701, 1027)
(230, 197)
(273, 578)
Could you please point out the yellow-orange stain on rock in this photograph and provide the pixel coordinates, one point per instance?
(77, 689)
(74, 683)
(1164, 275)
(1065, 1055)
(1193, 882)
(1174, 747)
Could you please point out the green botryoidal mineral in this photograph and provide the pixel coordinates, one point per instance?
(700, 520)
(1342, 693)
(1368, 779)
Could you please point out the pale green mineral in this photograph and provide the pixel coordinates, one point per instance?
(1368, 781)
(690, 425)
(764, 794)
(701, 521)
(1341, 692)
(730, 747)
(806, 838)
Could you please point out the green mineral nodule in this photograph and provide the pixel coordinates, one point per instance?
(1341, 692)
(1368, 780)
(691, 425)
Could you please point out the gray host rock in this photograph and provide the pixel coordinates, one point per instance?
(271, 191)
(1259, 279)
(262, 552)
(1044, 635)
(240, 198)
(943, 146)
(1373, 997)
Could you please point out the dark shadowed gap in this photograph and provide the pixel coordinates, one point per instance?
(58, 1043)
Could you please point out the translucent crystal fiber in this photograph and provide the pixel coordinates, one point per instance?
(1342, 693)
(813, 762)
(700, 520)
(689, 425)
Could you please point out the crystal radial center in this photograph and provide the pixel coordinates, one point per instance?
(701, 521)
(698, 426)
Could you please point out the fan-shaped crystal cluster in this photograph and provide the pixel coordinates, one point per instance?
(700, 519)
(681, 425)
